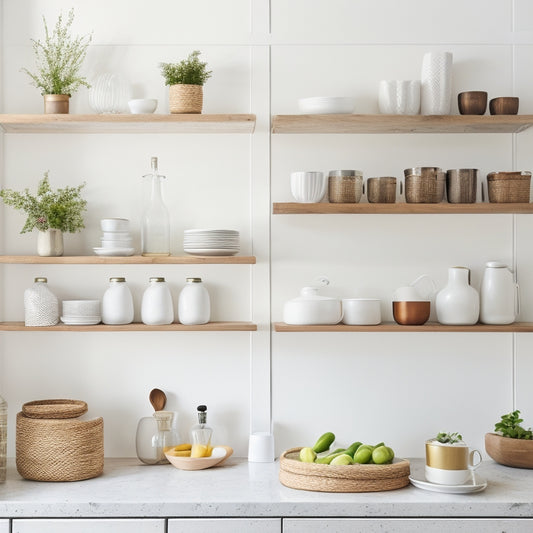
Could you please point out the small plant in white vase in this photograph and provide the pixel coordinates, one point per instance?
(52, 213)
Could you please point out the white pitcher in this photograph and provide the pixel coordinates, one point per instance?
(500, 302)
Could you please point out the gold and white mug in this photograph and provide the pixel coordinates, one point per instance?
(450, 464)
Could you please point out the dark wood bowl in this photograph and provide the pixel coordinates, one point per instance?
(472, 102)
(504, 105)
(509, 452)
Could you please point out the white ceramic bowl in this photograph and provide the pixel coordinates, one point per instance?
(326, 104)
(126, 243)
(78, 308)
(361, 311)
(116, 235)
(308, 187)
(115, 224)
(142, 105)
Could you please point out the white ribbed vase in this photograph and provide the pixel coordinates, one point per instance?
(436, 83)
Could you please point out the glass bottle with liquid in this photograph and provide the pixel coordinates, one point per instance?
(155, 231)
(201, 435)
(3, 439)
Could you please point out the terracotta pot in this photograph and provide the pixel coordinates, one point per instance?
(508, 451)
(50, 243)
(56, 103)
(183, 98)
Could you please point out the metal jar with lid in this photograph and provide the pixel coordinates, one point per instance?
(117, 303)
(157, 307)
(345, 186)
(41, 306)
(194, 306)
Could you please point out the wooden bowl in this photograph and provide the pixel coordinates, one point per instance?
(411, 313)
(509, 452)
(472, 102)
(504, 105)
(219, 454)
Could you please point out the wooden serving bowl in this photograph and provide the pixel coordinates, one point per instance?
(219, 454)
(508, 451)
(472, 102)
(504, 105)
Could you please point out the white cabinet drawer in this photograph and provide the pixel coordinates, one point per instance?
(4, 526)
(88, 525)
(407, 525)
(224, 525)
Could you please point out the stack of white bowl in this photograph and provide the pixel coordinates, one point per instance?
(81, 312)
(116, 237)
(211, 241)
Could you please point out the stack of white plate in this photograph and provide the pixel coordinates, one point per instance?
(81, 312)
(211, 241)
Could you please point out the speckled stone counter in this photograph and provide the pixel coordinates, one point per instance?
(242, 489)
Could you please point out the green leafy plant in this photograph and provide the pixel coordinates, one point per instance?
(47, 209)
(509, 426)
(190, 71)
(59, 58)
(448, 438)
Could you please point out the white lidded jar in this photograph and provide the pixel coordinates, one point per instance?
(194, 306)
(117, 303)
(157, 307)
(500, 299)
(41, 306)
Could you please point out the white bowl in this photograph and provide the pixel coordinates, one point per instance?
(326, 104)
(115, 224)
(308, 187)
(125, 243)
(142, 105)
(361, 311)
(79, 308)
(116, 235)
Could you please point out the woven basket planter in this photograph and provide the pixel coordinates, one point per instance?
(343, 478)
(183, 98)
(509, 187)
(53, 445)
(56, 104)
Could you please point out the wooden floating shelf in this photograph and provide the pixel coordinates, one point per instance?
(130, 260)
(401, 123)
(210, 326)
(392, 327)
(296, 208)
(151, 123)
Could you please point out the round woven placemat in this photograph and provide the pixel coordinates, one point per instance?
(54, 408)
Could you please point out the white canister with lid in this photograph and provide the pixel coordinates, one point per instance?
(157, 307)
(117, 303)
(41, 306)
(194, 306)
(500, 303)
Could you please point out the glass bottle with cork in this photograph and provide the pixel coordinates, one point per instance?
(201, 435)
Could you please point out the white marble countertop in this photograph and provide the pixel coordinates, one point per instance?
(241, 489)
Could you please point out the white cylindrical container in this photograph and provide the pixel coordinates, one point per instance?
(194, 306)
(117, 303)
(41, 306)
(499, 295)
(458, 303)
(157, 307)
(436, 83)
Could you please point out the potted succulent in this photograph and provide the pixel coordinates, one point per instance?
(51, 213)
(186, 80)
(511, 444)
(58, 62)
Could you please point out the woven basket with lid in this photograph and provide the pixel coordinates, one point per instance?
(509, 187)
(52, 444)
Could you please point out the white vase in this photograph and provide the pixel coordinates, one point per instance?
(41, 306)
(458, 303)
(117, 303)
(50, 243)
(157, 307)
(399, 97)
(436, 83)
(194, 306)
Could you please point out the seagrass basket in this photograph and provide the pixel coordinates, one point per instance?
(509, 187)
(345, 186)
(184, 98)
(342, 478)
(424, 185)
(52, 444)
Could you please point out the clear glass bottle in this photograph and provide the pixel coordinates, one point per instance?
(155, 435)
(117, 303)
(155, 232)
(41, 306)
(201, 435)
(194, 306)
(157, 307)
(3, 439)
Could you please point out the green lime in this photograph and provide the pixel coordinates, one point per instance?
(362, 456)
(381, 455)
(307, 455)
(343, 459)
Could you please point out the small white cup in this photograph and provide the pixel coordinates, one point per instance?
(261, 447)
(308, 187)
(399, 97)
(361, 311)
(115, 224)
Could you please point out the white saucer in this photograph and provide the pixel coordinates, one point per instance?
(81, 320)
(211, 251)
(450, 489)
(114, 251)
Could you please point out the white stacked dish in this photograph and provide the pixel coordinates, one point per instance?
(326, 105)
(211, 242)
(116, 238)
(81, 312)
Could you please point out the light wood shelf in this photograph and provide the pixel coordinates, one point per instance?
(296, 208)
(401, 123)
(392, 327)
(129, 260)
(152, 123)
(210, 326)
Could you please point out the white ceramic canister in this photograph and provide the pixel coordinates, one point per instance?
(117, 303)
(458, 303)
(499, 295)
(194, 306)
(312, 308)
(41, 306)
(157, 307)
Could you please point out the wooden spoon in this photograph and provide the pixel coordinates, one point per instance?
(158, 399)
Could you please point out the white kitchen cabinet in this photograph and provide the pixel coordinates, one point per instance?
(224, 525)
(4, 526)
(407, 525)
(84, 525)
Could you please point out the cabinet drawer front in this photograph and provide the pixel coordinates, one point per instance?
(4, 526)
(224, 525)
(407, 525)
(84, 525)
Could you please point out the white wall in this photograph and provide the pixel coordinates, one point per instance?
(401, 388)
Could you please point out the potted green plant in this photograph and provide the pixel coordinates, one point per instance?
(511, 444)
(58, 60)
(51, 212)
(186, 80)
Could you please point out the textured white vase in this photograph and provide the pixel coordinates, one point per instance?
(458, 303)
(399, 97)
(436, 83)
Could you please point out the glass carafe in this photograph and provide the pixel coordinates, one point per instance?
(155, 435)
